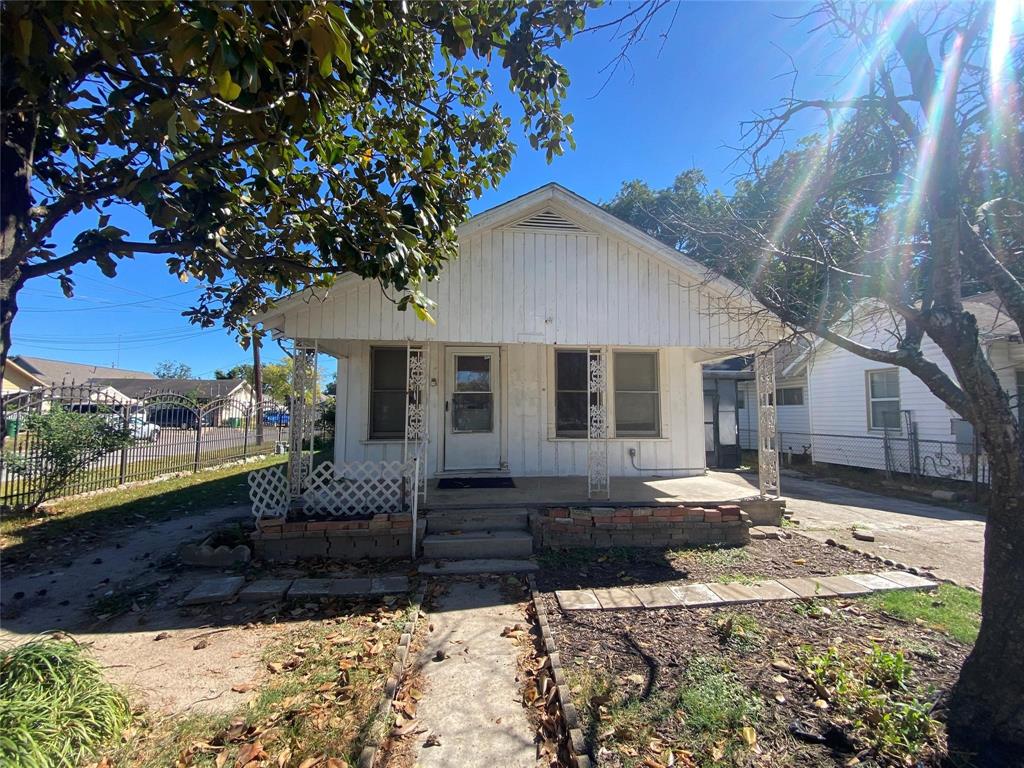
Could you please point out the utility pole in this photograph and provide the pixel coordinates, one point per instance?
(257, 385)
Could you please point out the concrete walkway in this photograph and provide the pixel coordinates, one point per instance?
(471, 706)
(945, 541)
(737, 592)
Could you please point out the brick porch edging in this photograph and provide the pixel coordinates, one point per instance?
(368, 755)
(382, 535)
(576, 744)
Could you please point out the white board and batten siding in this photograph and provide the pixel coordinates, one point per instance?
(794, 421)
(528, 443)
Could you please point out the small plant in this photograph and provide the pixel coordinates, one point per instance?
(64, 443)
(737, 630)
(712, 555)
(714, 706)
(809, 608)
(56, 709)
(887, 670)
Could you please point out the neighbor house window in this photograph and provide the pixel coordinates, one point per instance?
(570, 393)
(387, 392)
(884, 399)
(789, 396)
(637, 411)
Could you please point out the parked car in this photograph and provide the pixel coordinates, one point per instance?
(276, 418)
(143, 430)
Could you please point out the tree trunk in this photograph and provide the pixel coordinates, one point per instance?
(987, 703)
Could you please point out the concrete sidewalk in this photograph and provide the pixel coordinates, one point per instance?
(471, 707)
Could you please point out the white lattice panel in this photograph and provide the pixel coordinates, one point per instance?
(268, 491)
(357, 488)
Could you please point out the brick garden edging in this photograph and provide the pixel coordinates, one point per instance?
(369, 752)
(377, 537)
(603, 527)
(897, 565)
(576, 745)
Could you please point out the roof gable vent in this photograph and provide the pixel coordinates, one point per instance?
(548, 219)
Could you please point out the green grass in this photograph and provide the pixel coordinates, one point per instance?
(56, 709)
(952, 610)
(125, 507)
(711, 556)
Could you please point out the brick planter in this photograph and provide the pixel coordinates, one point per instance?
(603, 527)
(381, 536)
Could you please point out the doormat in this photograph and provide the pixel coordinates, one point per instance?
(456, 483)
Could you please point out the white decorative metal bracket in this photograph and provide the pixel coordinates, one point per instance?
(767, 425)
(416, 434)
(301, 419)
(597, 424)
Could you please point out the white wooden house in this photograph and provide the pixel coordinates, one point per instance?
(552, 305)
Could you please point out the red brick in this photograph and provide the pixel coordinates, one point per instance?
(723, 508)
(321, 526)
(642, 512)
(401, 523)
(293, 527)
(559, 512)
(663, 512)
(712, 516)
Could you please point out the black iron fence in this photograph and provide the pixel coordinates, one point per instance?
(169, 433)
(893, 453)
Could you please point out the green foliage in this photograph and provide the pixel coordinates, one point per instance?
(170, 369)
(874, 694)
(714, 705)
(65, 442)
(741, 631)
(950, 609)
(56, 709)
(271, 146)
(243, 372)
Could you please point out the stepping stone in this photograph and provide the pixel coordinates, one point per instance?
(697, 595)
(310, 588)
(875, 583)
(768, 532)
(265, 591)
(806, 587)
(734, 592)
(214, 590)
(908, 580)
(577, 600)
(382, 585)
(616, 598)
(771, 590)
(658, 597)
(843, 586)
(350, 587)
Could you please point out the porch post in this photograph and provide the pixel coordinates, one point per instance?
(597, 424)
(767, 425)
(415, 439)
(300, 421)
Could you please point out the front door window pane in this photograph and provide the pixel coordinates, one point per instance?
(473, 399)
(472, 373)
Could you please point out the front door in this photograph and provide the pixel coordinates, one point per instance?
(472, 416)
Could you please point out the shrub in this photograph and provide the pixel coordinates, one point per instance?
(56, 709)
(64, 443)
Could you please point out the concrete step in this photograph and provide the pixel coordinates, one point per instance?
(446, 520)
(477, 544)
(482, 565)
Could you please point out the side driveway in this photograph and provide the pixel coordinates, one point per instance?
(945, 541)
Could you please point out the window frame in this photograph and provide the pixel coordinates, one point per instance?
(614, 415)
(372, 390)
(572, 434)
(871, 399)
(780, 401)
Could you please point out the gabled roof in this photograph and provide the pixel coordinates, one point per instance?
(205, 389)
(19, 370)
(55, 372)
(554, 208)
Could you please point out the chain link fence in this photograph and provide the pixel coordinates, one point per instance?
(170, 433)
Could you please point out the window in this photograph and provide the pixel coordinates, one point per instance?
(789, 396)
(570, 393)
(741, 399)
(884, 399)
(387, 392)
(636, 394)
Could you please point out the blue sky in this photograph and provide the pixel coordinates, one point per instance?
(677, 104)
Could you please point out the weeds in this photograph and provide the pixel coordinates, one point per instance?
(740, 631)
(712, 556)
(953, 610)
(56, 708)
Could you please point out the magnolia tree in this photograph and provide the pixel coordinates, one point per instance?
(910, 197)
(270, 145)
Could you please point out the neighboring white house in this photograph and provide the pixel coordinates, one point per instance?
(539, 281)
(849, 395)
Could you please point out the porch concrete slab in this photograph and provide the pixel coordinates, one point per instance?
(697, 595)
(658, 597)
(383, 585)
(734, 592)
(771, 590)
(843, 586)
(806, 587)
(214, 590)
(908, 580)
(350, 587)
(577, 600)
(265, 590)
(310, 588)
(616, 598)
(873, 581)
